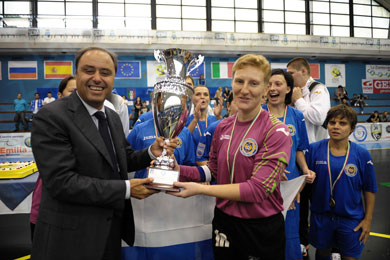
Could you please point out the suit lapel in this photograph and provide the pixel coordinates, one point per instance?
(116, 130)
(87, 127)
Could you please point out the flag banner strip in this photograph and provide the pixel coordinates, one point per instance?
(56, 76)
(58, 63)
(22, 75)
(22, 70)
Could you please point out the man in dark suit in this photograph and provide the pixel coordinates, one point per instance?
(85, 207)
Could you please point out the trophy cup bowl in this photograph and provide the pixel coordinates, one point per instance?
(171, 103)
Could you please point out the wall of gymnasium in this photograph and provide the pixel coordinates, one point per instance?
(355, 72)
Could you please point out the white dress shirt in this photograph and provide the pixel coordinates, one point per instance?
(314, 105)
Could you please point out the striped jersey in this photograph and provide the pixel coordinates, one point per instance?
(261, 157)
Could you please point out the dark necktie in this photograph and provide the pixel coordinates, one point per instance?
(103, 129)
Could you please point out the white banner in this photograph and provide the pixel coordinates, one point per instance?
(377, 71)
(289, 190)
(334, 75)
(163, 220)
(156, 72)
(15, 145)
(371, 133)
(278, 65)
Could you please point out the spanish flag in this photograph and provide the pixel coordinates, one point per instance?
(58, 69)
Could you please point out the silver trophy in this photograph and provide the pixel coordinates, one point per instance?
(171, 103)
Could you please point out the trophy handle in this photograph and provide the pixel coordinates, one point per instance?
(159, 56)
(194, 64)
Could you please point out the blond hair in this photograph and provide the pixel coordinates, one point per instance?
(254, 60)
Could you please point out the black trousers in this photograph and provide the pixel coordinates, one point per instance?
(304, 207)
(238, 239)
(113, 249)
(20, 118)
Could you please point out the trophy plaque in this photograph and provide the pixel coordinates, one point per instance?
(171, 103)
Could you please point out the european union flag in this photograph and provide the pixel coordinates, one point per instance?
(128, 70)
(195, 74)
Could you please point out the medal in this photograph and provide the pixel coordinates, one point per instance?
(231, 170)
(332, 203)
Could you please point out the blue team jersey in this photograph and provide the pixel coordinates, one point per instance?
(144, 117)
(358, 176)
(300, 142)
(203, 149)
(143, 135)
(202, 125)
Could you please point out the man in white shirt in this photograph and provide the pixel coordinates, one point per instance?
(313, 100)
(314, 103)
(49, 98)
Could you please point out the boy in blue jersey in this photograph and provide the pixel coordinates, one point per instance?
(279, 91)
(345, 170)
(144, 134)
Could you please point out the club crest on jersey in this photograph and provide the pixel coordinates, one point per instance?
(179, 142)
(249, 147)
(291, 128)
(350, 170)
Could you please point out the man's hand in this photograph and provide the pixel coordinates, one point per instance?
(138, 190)
(297, 94)
(159, 144)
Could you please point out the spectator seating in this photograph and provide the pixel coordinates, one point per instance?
(7, 114)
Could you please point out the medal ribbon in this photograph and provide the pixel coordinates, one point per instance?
(197, 125)
(231, 170)
(155, 129)
(341, 172)
(284, 114)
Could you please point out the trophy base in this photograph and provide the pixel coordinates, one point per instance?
(163, 179)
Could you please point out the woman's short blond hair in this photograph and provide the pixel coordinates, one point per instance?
(254, 60)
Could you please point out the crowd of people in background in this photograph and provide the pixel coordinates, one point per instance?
(273, 116)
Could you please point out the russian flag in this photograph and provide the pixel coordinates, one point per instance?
(22, 70)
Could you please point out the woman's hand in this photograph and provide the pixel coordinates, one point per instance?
(159, 144)
(218, 108)
(197, 113)
(188, 189)
(311, 176)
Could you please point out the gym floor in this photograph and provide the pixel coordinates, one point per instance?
(15, 242)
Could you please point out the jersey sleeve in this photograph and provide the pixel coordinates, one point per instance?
(188, 147)
(368, 172)
(270, 162)
(132, 137)
(303, 143)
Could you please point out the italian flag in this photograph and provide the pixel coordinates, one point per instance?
(221, 70)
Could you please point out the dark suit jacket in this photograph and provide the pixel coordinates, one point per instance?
(78, 197)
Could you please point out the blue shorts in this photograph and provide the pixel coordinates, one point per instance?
(327, 231)
(293, 245)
